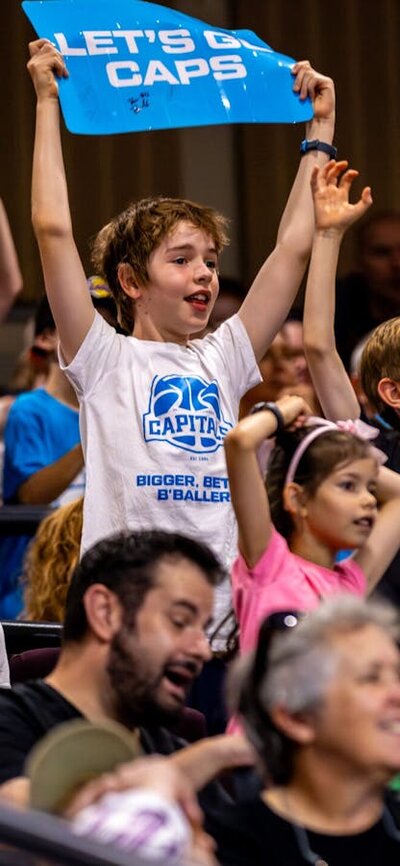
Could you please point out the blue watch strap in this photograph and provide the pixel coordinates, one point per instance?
(316, 144)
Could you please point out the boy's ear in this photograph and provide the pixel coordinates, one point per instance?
(128, 281)
(294, 500)
(389, 392)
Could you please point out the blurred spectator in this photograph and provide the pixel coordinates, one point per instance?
(43, 460)
(370, 295)
(284, 370)
(43, 457)
(50, 561)
(229, 300)
(10, 274)
(134, 641)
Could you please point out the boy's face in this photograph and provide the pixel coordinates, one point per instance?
(182, 287)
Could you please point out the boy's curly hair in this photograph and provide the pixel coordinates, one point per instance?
(135, 233)
(50, 561)
(331, 449)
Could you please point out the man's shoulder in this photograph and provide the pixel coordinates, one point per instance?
(35, 704)
(27, 712)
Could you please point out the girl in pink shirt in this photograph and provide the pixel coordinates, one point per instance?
(325, 489)
(321, 496)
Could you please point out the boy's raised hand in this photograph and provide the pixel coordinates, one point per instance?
(320, 89)
(45, 65)
(331, 187)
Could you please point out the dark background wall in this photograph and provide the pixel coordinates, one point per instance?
(245, 171)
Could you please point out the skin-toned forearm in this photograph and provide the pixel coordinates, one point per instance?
(50, 482)
(16, 792)
(274, 289)
(206, 759)
(383, 543)
(50, 205)
(246, 483)
(297, 222)
(334, 213)
(331, 382)
(388, 485)
(10, 274)
(64, 276)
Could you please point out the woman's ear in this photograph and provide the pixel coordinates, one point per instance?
(128, 281)
(103, 611)
(294, 500)
(296, 726)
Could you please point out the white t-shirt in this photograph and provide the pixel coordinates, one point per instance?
(153, 419)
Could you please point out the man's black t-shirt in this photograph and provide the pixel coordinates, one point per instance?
(29, 710)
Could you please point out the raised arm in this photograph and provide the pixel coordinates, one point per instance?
(248, 493)
(275, 286)
(333, 215)
(383, 543)
(47, 484)
(64, 276)
(10, 274)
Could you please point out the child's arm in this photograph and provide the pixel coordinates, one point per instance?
(10, 274)
(384, 541)
(248, 493)
(63, 272)
(333, 215)
(275, 286)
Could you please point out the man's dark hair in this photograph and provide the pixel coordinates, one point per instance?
(127, 564)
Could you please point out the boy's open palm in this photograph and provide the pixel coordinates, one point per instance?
(331, 187)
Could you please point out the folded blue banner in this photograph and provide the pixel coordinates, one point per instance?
(136, 66)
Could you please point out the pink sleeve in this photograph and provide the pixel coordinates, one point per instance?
(268, 567)
(247, 583)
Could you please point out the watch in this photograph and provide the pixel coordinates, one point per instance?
(316, 144)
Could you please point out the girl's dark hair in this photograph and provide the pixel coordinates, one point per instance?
(328, 451)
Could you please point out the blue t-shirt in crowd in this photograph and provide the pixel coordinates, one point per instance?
(40, 429)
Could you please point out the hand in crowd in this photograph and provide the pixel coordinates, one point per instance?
(45, 65)
(320, 89)
(295, 410)
(331, 187)
(159, 775)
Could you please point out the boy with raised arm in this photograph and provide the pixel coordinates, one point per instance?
(155, 406)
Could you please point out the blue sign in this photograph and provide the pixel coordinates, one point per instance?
(137, 66)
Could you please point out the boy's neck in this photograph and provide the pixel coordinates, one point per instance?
(147, 330)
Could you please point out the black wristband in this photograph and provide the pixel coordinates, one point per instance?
(270, 407)
(316, 144)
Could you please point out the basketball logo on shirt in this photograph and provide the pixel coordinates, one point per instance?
(185, 411)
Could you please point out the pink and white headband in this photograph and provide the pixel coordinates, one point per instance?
(322, 425)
